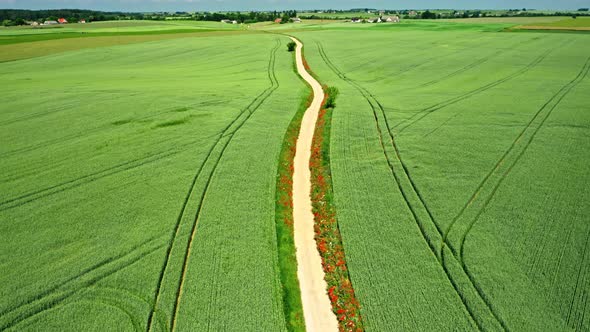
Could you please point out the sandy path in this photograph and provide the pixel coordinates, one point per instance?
(317, 308)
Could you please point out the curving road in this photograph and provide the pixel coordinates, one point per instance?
(317, 309)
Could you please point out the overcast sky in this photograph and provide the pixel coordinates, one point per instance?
(196, 5)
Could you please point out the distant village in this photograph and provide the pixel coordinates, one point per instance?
(278, 20)
(380, 19)
(51, 22)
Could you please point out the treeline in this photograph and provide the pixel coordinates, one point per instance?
(10, 17)
(439, 13)
(19, 16)
(480, 13)
(251, 17)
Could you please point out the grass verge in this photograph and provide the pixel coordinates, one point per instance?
(327, 234)
(292, 306)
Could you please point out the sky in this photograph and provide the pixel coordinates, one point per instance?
(225, 5)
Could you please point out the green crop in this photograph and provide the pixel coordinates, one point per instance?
(448, 149)
(144, 175)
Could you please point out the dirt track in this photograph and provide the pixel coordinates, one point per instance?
(317, 308)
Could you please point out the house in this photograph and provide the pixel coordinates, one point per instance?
(62, 21)
(413, 13)
(226, 21)
(295, 19)
(50, 23)
(34, 24)
(355, 20)
(279, 20)
(392, 19)
(82, 21)
(370, 20)
(234, 22)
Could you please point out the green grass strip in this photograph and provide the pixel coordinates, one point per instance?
(329, 240)
(292, 306)
(17, 39)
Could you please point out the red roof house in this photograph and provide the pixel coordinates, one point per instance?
(62, 21)
(278, 20)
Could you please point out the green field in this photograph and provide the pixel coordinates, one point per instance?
(111, 163)
(139, 173)
(580, 23)
(458, 167)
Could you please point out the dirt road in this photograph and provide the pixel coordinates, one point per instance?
(317, 308)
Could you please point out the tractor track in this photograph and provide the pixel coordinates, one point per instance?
(249, 110)
(549, 106)
(422, 208)
(57, 294)
(90, 178)
(556, 99)
(84, 133)
(421, 114)
(416, 65)
(475, 64)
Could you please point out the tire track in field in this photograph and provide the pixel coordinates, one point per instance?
(118, 298)
(580, 278)
(457, 72)
(475, 64)
(228, 133)
(274, 86)
(504, 165)
(470, 66)
(441, 125)
(424, 219)
(90, 178)
(61, 108)
(57, 294)
(498, 174)
(418, 64)
(84, 133)
(421, 114)
(407, 68)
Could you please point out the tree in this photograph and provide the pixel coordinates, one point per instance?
(285, 18)
(428, 15)
(291, 46)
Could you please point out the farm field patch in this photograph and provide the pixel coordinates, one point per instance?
(452, 122)
(145, 164)
(573, 24)
(506, 20)
(129, 176)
